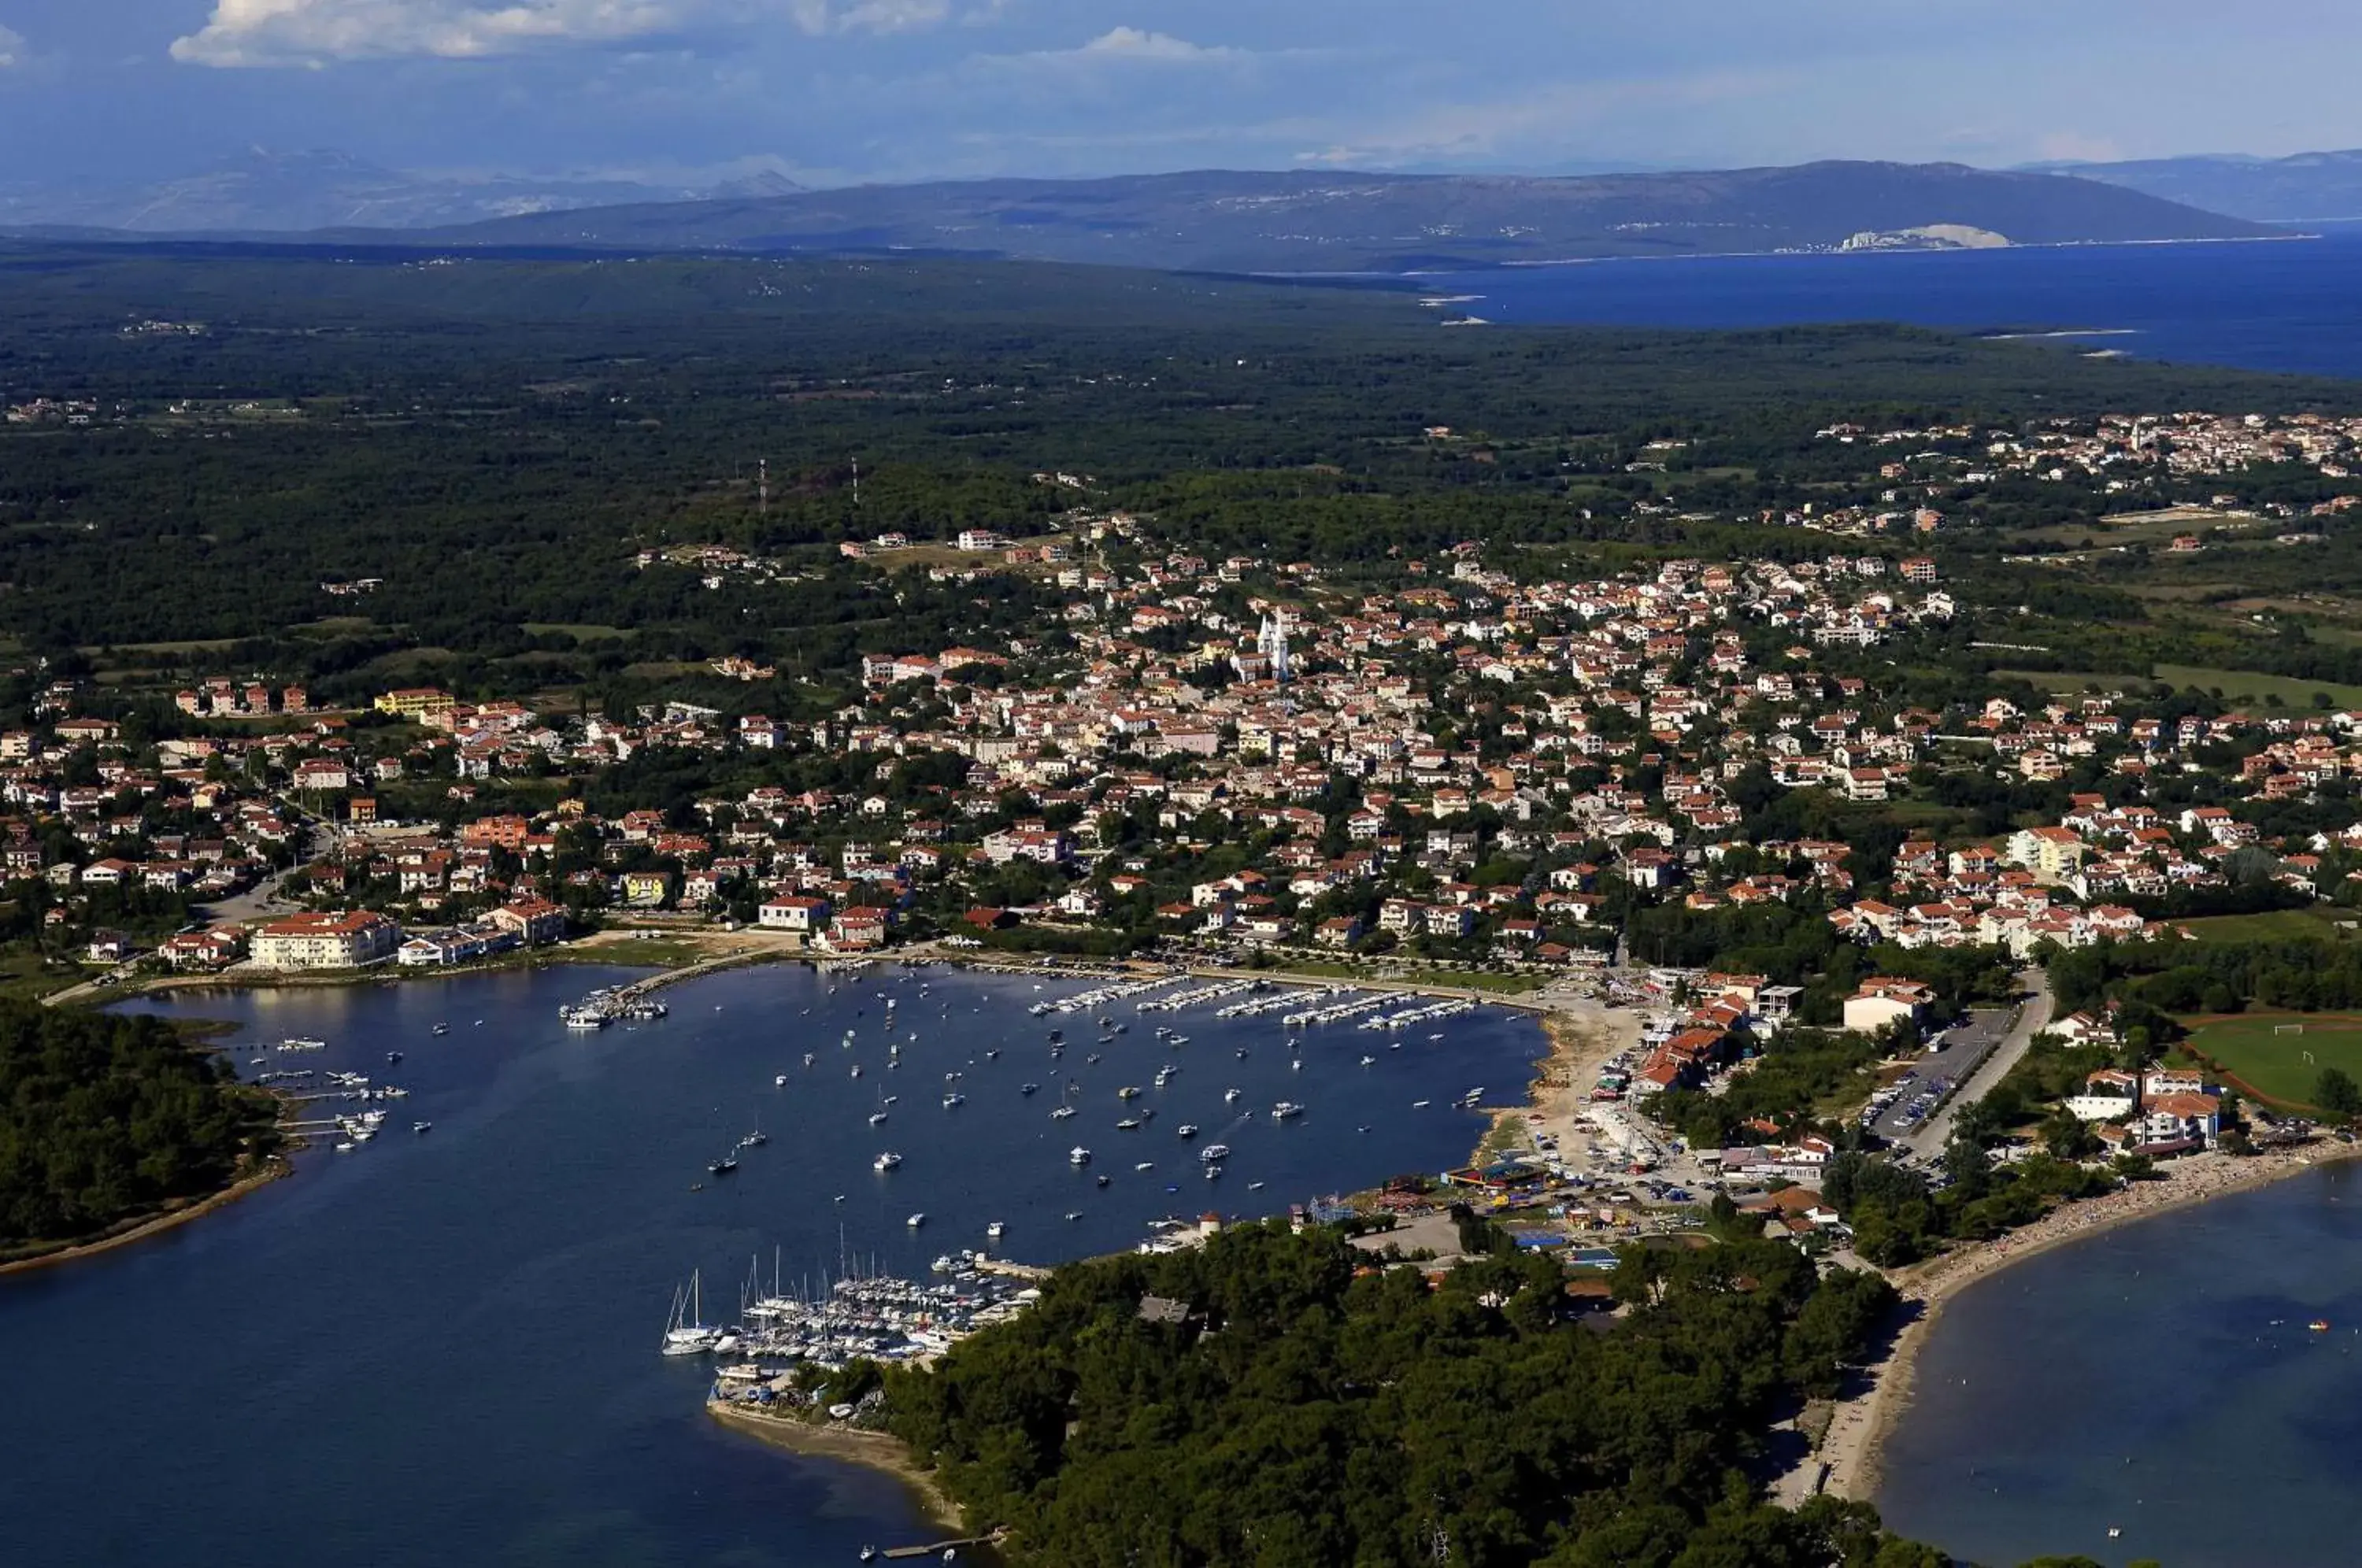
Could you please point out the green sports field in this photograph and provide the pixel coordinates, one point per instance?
(2279, 1066)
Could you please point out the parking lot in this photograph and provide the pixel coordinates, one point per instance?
(1898, 1109)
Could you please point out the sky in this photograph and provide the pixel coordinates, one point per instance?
(842, 91)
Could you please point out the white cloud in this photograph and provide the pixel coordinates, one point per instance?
(309, 32)
(820, 16)
(1132, 43)
(1118, 46)
(1546, 120)
(12, 48)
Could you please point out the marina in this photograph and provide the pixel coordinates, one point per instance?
(533, 1240)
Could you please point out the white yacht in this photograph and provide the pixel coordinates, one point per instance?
(1078, 1155)
(993, 1231)
(915, 1220)
(1286, 1109)
(886, 1161)
(1213, 1153)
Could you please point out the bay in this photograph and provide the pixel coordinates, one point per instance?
(2291, 305)
(441, 1349)
(2161, 1380)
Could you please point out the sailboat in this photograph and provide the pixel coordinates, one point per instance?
(686, 1333)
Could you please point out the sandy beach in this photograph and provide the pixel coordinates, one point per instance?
(1583, 1036)
(876, 1450)
(1858, 1426)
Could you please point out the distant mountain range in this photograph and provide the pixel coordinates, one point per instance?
(2311, 187)
(1299, 221)
(1344, 222)
(261, 191)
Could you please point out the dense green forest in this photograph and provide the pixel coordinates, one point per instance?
(103, 1118)
(494, 437)
(1314, 1411)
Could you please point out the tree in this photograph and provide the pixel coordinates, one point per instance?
(2336, 1092)
(2066, 1136)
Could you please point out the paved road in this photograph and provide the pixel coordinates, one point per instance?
(1934, 1133)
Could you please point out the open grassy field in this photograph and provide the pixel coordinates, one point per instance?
(2281, 1067)
(2319, 924)
(2236, 685)
(2244, 686)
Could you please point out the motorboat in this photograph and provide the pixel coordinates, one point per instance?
(886, 1161)
(1231, 1097)
(1187, 1130)
(915, 1220)
(1129, 1124)
(1078, 1155)
(722, 1166)
(953, 1101)
(993, 1231)
(1063, 1112)
(779, 1080)
(1027, 1088)
(1286, 1109)
(421, 1126)
(1104, 1180)
(441, 1029)
(1145, 1165)
(1214, 1154)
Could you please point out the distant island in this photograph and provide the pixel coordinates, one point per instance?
(1339, 222)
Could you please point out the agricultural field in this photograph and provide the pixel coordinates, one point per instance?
(2244, 686)
(2237, 685)
(2321, 923)
(2280, 1066)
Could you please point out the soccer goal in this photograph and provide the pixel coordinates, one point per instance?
(2288, 1028)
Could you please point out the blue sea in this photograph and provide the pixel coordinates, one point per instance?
(2283, 304)
(440, 1350)
(2160, 1381)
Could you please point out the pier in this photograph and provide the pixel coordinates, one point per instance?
(937, 1548)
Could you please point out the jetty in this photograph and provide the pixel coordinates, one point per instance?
(937, 1548)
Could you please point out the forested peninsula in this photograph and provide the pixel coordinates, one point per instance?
(1279, 1399)
(108, 1122)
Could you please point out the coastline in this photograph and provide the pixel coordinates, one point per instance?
(155, 1225)
(1582, 1038)
(1859, 1425)
(873, 1451)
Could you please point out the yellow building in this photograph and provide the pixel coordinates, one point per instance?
(419, 703)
